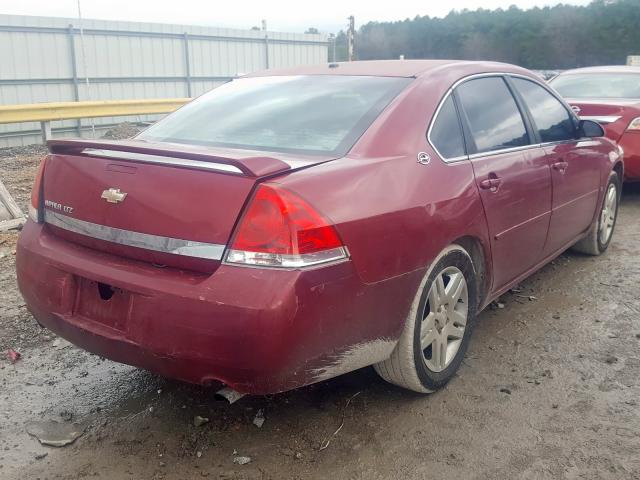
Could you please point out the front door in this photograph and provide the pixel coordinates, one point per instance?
(575, 164)
(575, 172)
(513, 176)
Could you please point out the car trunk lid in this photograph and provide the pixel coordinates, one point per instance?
(613, 114)
(167, 204)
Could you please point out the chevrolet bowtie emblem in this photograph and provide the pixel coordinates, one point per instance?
(113, 195)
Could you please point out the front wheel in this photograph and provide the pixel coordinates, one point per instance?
(601, 232)
(438, 327)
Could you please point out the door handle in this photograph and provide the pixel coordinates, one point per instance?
(491, 183)
(561, 166)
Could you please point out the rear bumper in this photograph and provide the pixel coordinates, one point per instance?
(630, 143)
(257, 330)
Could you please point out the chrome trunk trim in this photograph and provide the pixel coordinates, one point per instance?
(157, 243)
(604, 119)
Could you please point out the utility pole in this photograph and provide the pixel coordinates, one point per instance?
(351, 33)
(87, 94)
(332, 42)
(266, 43)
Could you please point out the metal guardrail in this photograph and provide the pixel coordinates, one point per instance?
(45, 113)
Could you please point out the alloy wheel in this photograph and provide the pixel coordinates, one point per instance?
(608, 214)
(444, 319)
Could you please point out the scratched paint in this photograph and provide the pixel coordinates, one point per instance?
(355, 357)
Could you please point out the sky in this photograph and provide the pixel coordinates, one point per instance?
(281, 15)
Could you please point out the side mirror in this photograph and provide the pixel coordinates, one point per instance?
(589, 128)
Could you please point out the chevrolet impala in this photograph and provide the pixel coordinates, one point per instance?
(293, 225)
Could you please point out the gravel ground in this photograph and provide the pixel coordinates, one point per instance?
(123, 131)
(550, 389)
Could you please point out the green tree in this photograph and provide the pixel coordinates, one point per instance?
(563, 36)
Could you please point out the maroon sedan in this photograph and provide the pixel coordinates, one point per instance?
(610, 96)
(294, 225)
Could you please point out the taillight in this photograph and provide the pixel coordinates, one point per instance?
(280, 229)
(36, 193)
(635, 124)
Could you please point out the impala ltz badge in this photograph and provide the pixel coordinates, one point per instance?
(113, 195)
(58, 206)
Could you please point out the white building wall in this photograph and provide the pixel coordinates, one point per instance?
(46, 59)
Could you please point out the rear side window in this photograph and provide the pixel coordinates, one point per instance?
(446, 134)
(492, 113)
(553, 121)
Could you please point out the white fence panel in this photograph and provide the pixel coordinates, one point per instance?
(46, 59)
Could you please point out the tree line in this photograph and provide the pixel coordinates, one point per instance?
(564, 36)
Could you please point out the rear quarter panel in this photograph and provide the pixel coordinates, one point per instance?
(394, 214)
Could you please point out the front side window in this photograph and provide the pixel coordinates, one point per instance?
(492, 114)
(553, 121)
(314, 114)
(597, 85)
(446, 134)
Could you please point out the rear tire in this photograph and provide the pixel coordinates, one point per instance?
(439, 325)
(601, 232)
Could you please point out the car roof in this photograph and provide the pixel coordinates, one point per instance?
(604, 69)
(391, 68)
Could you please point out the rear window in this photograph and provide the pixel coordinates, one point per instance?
(598, 85)
(309, 114)
(446, 134)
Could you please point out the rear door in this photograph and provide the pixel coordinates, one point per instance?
(512, 175)
(575, 164)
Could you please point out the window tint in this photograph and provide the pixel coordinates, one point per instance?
(446, 134)
(494, 118)
(309, 114)
(551, 118)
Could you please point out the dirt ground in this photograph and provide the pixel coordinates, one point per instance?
(550, 389)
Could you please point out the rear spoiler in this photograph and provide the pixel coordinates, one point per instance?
(183, 155)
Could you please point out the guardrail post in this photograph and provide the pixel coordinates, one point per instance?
(187, 63)
(74, 73)
(46, 131)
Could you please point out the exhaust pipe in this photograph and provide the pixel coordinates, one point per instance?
(229, 394)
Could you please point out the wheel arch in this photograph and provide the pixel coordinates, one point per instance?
(480, 257)
(618, 167)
